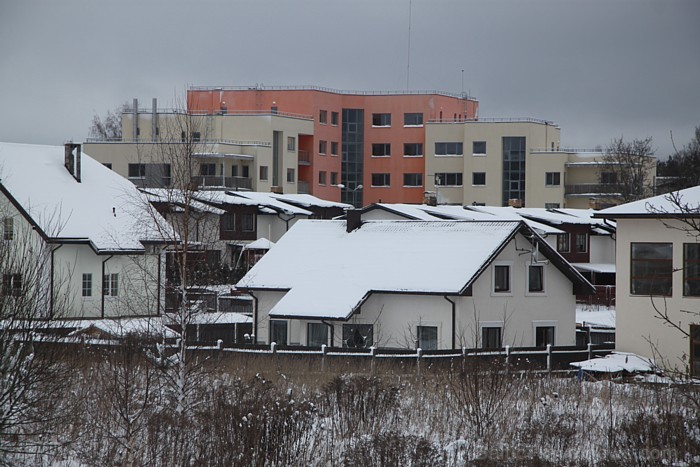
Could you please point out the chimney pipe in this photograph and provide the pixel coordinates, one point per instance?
(353, 219)
(154, 120)
(72, 160)
(135, 120)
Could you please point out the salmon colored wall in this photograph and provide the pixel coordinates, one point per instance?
(310, 102)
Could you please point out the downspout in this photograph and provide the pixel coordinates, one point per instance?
(454, 318)
(51, 298)
(102, 285)
(332, 331)
(255, 316)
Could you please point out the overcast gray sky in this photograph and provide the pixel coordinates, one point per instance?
(598, 68)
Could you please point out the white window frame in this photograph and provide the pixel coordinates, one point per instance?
(435, 324)
(542, 323)
(476, 184)
(493, 278)
(489, 324)
(478, 154)
(527, 280)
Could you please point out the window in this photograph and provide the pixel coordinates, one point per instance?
(479, 178)
(490, 337)
(448, 179)
(137, 170)
(316, 334)
(501, 278)
(290, 175)
(334, 148)
(322, 178)
(246, 171)
(291, 143)
(207, 170)
(695, 350)
(608, 178)
(263, 172)
(691, 269)
(278, 331)
(563, 243)
(334, 178)
(248, 222)
(165, 169)
(334, 118)
(535, 278)
(651, 269)
(110, 285)
(552, 179)
(413, 119)
(358, 336)
(322, 146)
(552, 205)
(323, 117)
(8, 226)
(234, 171)
(228, 222)
(381, 150)
(381, 179)
(413, 179)
(448, 149)
(381, 119)
(581, 242)
(479, 148)
(108, 165)
(87, 285)
(12, 285)
(196, 136)
(544, 335)
(427, 337)
(413, 150)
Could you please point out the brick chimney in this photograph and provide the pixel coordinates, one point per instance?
(72, 160)
(353, 219)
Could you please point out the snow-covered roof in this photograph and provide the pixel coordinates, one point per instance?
(103, 209)
(507, 212)
(169, 195)
(617, 362)
(309, 201)
(603, 268)
(259, 244)
(684, 202)
(328, 272)
(265, 202)
(120, 328)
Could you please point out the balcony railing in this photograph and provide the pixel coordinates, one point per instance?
(494, 120)
(592, 188)
(214, 181)
(304, 157)
(303, 187)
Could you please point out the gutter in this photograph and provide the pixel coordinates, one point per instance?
(454, 318)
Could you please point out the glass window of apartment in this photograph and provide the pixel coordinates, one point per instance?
(196, 136)
(334, 178)
(316, 334)
(449, 149)
(137, 170)
(291, 143)
(87, 285)
(263, 172)
(334, 118)
(334, 148)
(413, 150)
(381, 119)
(552, 205)
(491, 337)
(695, 350)
(278, 331)
(563, 245)
(513, 169)
(581, 242)
(691, 269)
(651, 269)
(427, 337)
(501, 278)
(478, 178)
(381, 150)
(12, 285)
(234, 171)
(110, 285)
(8, 228)
(381, 179)
(358, 336)
(322, 177)
(245, 169)
(413, 119)
(323, 117)
(228, 222)
(479, 148)
(535, 278)
(322, 146)
(544, 335)
(248, 222)
(552, 178)
(290, 175)
(608, 178)
(414, 179)
(108, 165)
(207, 170)
(448, 179)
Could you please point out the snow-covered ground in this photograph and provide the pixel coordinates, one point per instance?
(596, 316)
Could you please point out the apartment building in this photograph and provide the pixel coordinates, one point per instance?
(364, 147)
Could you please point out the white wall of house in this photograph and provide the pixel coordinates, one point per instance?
(602, 249)
(273, 227)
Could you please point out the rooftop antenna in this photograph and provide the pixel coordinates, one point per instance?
(408, 60)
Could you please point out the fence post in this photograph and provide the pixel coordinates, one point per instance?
(590, 351)
(220, 344)
(549, 357)
(373, 356)
(324, 349)
(273, 347)
(419, 355)
(464, 358)
(507, 357)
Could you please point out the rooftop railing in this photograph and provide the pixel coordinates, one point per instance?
(204, 113)
(214, 181)
(494, 120)
(463, 95)
(266, 144)
(568, 150)
(592, 189)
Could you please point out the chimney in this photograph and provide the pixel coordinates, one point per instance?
(353, 219)
(154, 120)
(135, 120)
(72, 160)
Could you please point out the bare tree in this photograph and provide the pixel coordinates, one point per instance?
(682, 169)
(630, 166)
(108, 127)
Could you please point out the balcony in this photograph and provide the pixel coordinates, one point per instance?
(586, 189)
(303, 187)
(215, 181)
(304, 157)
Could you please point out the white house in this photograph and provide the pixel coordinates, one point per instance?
(658, 278)
(431, 284)
(89, 248)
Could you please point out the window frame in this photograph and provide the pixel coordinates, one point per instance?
(687, 263)
(207, 167)
(417, 183)
(561, 244)
(323, 117)
(110, 285)
(381, 120)
(501, 292)
(291, 171)
(264, 173)
(489, 326)
(386, 179)
(635, 286)
(475, 151)
(412, 115)
(474, 181)
(271, 331)
(291, 143)
(317, 326)
(420, 338)
(86, 283)
(228, 222)
(381, 149)
(579, 235)
(8, 228)
(544, 324)
(543, 284)
(334, 148)
(443, 178)
(248, 222)
(414, 148)
(552, 179)
(12, 285)
(362, 328)
(322, 147)
(444, 148)
(335, 118)
(322, 177)
(140, 168)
